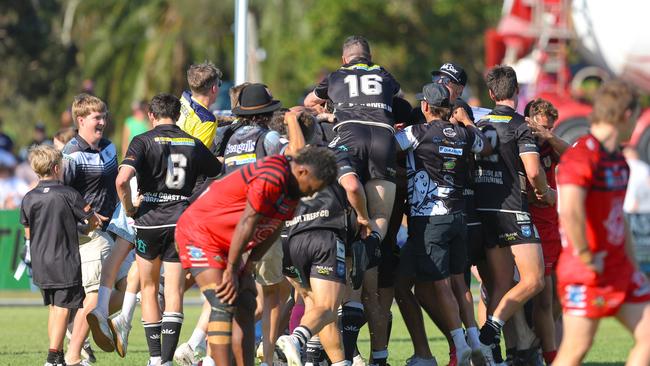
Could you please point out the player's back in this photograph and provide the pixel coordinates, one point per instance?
(501, 178)
(361, 92)
(168, 162)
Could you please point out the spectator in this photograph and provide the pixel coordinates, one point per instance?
(12, 188)
(134, 125)
(39, 137)
(6, 143)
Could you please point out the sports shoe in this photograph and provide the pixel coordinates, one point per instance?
(291, 350)
(463, 356)
(149, 363)
(259, 352)
(88, 353)
(100, 330)
(360, 262)
(419, 361)
(529, 357)
(186, 356)
(358, 361)
(80, 363)
(120, 329)
(488, 358)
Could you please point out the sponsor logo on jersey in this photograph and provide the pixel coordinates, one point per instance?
(576, 296)
(174, 141)
(525, 230)
(497, 119)
(449, 165)
(340, 269)
(246, 146)
(448, 178)
(508, 236)
(449, 132)
(141, 246)
(450, 150)
(196, 253)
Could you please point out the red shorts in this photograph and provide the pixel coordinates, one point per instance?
(603, 300)
(551, 251)
(195, 255)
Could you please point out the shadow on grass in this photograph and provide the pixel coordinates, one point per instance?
(403, 340)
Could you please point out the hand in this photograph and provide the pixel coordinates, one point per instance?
(138, 201)
(549, 197)
(131, 211)
(229, 287)
(364, 227)
(594, 261)
(96, 221)
(460, 116)
(291, 116)
(326, 117)
(538, 130)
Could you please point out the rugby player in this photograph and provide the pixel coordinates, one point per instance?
(204, 81)
(598, 275)
(167, 163)
(362, 94)
(90, 167)
(502, 205)
(239, 217)
(436, 249)
(541, 116)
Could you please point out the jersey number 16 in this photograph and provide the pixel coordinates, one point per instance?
(370, 84)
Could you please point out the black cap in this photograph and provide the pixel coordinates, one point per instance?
(255, 99)
(435, 94)
(453, 71)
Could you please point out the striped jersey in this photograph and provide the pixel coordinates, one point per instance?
(92, 173)
(267, 185)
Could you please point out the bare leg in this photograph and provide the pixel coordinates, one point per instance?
(543, 316)
(412, 315)
(578, 337)
(56, 325)
(80, 329)
(636, 318)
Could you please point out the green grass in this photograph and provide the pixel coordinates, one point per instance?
(23, 340)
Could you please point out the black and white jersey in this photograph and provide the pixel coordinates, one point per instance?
(500, 178)
(361, 92)
(92, 173)
(251, 143)
(437, 165)
(327, 209)
(52, 211)
(167, 162)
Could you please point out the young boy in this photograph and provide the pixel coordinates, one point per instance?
(50, 213)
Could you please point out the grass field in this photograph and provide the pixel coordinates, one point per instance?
(23, 340)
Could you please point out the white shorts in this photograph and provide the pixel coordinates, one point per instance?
(268, 270)
(122, 225)
(125, 267)
(94, 248)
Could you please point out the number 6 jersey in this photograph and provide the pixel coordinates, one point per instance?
(167, 163)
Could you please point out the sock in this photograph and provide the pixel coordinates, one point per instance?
(379, 357)
(60, 357)
(152, 332)
(197, 338)
(314, 353)
(472, 337)
(296, 315)
(549, 356)
(154, 360)
(128, 306)
(302, 334)
(352, 319)
(342, 363)
(103, 298)
(490, 330)
(208, 361)
(459, 338)
(170, 333)
(52, 355)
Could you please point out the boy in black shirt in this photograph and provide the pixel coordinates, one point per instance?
(50, 213)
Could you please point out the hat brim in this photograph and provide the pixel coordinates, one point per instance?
(419, 96)
(447, 74)
(274, 106)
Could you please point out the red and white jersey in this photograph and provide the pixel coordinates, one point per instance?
(210, 221)
(604, 176)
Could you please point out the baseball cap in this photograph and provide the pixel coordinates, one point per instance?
(435, 94)
(453, 71)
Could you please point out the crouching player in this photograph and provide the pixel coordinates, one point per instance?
(239, 217)
(50, 213)
(597, 273)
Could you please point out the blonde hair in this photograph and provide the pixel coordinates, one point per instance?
(202, 77)
(43, 159)
(85, 104)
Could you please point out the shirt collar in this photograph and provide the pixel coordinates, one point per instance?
(201, 111)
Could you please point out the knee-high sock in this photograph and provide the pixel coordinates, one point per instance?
(352, 319)
(170, 333)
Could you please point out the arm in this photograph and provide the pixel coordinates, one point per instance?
(357, 197)
(228, 288)
(312, 100)
(558, 145)
(573, 217)
(537, 178)
(481, 144)
(123, 188)
(294, 134)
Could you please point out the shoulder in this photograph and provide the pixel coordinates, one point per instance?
(106, 144)
(71, 147)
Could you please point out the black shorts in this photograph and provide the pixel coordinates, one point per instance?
(314, 253)
(371, 150)
(156, 243)
(436, 248)
(68, 297)
(475, 249)
(505, 229)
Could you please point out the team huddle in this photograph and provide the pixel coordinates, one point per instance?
(291, 216)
